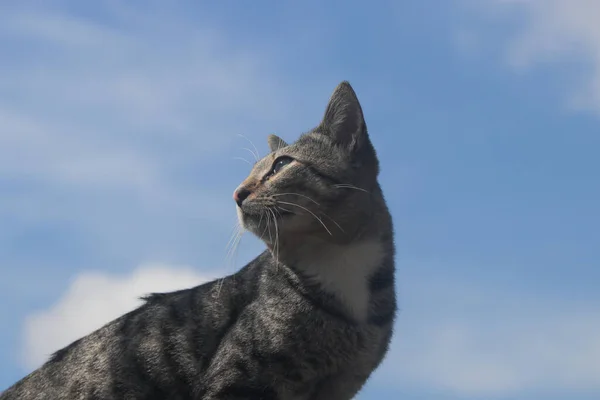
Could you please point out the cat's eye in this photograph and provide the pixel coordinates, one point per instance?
(280, 163)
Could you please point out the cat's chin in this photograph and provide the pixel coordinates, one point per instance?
(278, 225)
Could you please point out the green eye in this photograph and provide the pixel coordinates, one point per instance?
(280, 163)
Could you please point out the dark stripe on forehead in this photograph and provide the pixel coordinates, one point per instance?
(316, 135)
(322, 175)
(315, 141)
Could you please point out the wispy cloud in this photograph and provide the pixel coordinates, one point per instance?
(94, 299)
(110, 97)
(480, 342)
(561, 32)
(107, 123)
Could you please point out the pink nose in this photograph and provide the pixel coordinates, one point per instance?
(240, 194)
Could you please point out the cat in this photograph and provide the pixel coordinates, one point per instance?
(309, 318)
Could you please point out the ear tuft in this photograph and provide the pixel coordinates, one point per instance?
(276, 143)
(343, 120)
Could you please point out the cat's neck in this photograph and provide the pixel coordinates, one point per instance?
(340, 269)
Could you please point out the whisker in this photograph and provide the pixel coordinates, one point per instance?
(269, 226)
(257, 155)
(260, 220)
(312, 213)
(348, 186)
(266, 226)
(333, 220)
(295, 194)
(233, 243)
(276, 245)
(285, 209)
(234, 230)
(251, 152)
(309, 198)
(270, 236)
(236, 248)
(242, 159)
(238, 232)
(278, 238)
(220, 286)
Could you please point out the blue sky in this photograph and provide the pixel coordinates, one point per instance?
(119, 144)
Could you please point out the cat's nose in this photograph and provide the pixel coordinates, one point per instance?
(240, 194)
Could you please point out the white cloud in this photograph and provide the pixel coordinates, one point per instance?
(467, 358)
(92, 300)
(479, 344)
(566, 32)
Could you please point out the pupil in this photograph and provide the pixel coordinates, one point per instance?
(279, 164)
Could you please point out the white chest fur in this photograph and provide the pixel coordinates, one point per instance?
(344, 271)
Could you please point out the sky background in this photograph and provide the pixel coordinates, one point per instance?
(120, 143)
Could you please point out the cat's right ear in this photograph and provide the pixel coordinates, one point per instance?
(276, 143)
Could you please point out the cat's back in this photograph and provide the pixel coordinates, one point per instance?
(153, 352)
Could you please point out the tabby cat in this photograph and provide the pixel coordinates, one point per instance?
(309, 318)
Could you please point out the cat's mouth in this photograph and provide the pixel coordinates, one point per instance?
(258, 209)
(262, 221)
(272, 214)
(262, 215)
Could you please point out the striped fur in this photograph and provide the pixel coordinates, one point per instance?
(309, 318)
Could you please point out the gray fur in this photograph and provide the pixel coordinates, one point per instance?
(276, 143)
(309, 318)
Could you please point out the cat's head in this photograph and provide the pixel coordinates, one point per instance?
(320, 185)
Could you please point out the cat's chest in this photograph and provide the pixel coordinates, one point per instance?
(344, 271)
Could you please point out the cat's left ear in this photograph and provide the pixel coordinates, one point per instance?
(344, 121)
(276, 143)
